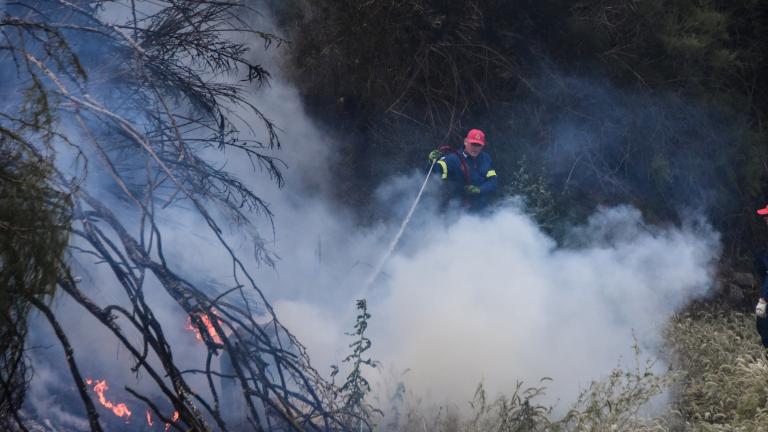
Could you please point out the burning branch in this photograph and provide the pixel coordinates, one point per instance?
(173, 420)
(120, 409)
(209, 328)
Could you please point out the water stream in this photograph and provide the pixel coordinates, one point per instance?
(396, 240)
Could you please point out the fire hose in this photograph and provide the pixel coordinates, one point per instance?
(396, 239)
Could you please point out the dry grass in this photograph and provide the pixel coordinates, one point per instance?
(718, 381)
(724, 382)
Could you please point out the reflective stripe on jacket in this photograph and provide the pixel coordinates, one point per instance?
(479, 173)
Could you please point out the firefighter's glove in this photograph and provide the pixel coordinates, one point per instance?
(434, 155)
(471, 189)
(760, 308)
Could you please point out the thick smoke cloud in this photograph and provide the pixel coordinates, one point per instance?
(496, 300)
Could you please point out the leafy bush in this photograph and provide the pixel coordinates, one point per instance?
(540, 202)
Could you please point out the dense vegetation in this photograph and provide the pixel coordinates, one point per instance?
(656, 103)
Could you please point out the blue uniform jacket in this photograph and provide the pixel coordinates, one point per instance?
(480, 172)
(761, 265)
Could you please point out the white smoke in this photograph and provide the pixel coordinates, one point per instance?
(496, 300)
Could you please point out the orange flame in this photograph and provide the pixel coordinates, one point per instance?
(173, 419)
(120, 409)
(167, 425)
(206, 319)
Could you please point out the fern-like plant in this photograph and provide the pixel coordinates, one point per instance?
(354, 408)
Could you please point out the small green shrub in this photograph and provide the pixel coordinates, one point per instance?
(533, 187)
(355, 410)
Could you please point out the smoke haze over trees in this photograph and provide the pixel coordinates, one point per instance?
(656, 103)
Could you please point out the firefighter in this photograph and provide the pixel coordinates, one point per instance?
(468, 172)
(760, 308)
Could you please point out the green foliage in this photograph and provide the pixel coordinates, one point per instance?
(686, 44)
(353, 406)
(423, 59)
(539, 200)
(34, 221)
(34, 232)
(430, 56)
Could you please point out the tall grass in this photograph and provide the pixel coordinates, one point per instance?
(724, 370)
(717, 381)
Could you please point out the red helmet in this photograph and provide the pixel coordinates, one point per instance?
(763, 211)
(476, 136)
